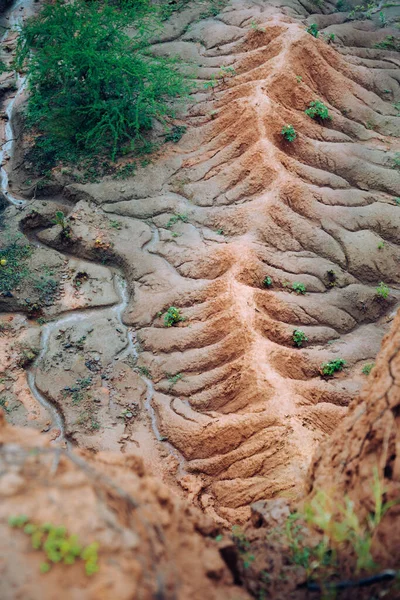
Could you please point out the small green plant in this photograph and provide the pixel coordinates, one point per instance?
(318, 110)
(382, 19)
(330, 38)
(299, 337)
(59, 219)
(57, 545)
(397, 201)
(176, 133)
(267, 282)
(313, 30)
(211, 83)
(115, 224)
(289, 133)
(226, 72)
(382, 290)
(367, 368)
(172, 317)
(396, 160)
(175, 219)
(299, 288)
(381, 245)
(299, 78)
(329, 368)
(173, 379)
(256, 27)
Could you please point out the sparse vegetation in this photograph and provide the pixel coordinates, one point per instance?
(173, 379)
(26, 356)
(126, 171)
(367, 368)
(389, 43)
(313, 30)
(243, 545)
(145, 372)
(289, 133)
(318, 110)
(343, 536)
(256, 27)
(175, 219)
(328, 369)
(175, 134)
(13, 268)
(299, 337)
(172, 316)
(57, 545)
(382, 290)
(299, 288)
(381, 245)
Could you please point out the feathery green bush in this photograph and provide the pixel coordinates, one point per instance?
(94, 88)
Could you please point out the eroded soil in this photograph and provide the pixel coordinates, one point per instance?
(222, 406)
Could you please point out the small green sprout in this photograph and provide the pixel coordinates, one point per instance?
(172, 317)
(329, 368)
(289, 133)
(367, 368)
(299, 337)
(267, 282)
(299, 288)
(313, 30)
(382, 290)
(299, 78)
(381, 245)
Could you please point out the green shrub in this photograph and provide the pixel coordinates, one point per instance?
(313, 30)
(299, 337)
(57, 545)
(299, 288)
(172, 316)
(318, 110)
(92, 87)
(289, 133)
(332, 367)
(382, 291)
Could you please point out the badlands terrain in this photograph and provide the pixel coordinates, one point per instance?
(251, 237)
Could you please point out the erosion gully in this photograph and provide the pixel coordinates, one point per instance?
(19, 10)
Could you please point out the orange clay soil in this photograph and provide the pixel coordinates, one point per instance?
(223, 407)
(151, 543)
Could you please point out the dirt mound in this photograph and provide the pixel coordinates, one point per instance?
(151, 544)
